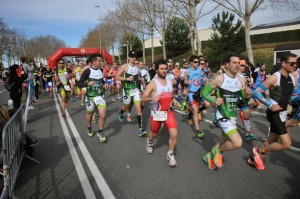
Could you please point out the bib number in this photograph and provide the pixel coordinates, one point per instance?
(63, 79)
(49, 84)
(283, 116)
(134, 92)
(99, 100)
(160, 116)
(67, 88)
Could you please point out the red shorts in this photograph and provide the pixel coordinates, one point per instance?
(170, 123)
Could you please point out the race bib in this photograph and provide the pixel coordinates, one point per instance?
(67, 88)
(99, 100)
(283, 116)
(49, 83)
(134, 92)
(160, 116)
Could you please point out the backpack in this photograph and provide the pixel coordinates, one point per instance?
(7, 84)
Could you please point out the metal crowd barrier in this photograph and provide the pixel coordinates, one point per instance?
(13, 141)
(13, 146)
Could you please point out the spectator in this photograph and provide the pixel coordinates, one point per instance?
(16, 89)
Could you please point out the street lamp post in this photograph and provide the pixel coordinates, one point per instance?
(100, 46)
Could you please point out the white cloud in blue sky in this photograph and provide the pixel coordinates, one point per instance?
(70, 20)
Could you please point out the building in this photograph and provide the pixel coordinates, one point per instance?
(261, 30)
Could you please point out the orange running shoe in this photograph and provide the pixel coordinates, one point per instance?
(190, 122)
(217, 157)
(256, 159)
(199, 116)
(207, 159)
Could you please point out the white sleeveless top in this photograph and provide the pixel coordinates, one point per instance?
(165, 93)
(132, 70)
(231, 84)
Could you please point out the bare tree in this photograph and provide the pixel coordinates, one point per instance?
(192, 11)
(245, 8)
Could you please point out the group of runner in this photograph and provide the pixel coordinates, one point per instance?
(231, 89)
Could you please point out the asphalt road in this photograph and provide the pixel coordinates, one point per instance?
(128, 171)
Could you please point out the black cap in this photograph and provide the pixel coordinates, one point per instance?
(132, 54)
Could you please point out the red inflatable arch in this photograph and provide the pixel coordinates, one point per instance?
(84, 52)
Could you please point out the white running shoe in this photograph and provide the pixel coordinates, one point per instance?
(149, 146)
(113, 99)
(171, 159)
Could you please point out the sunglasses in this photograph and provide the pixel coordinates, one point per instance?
(61, 63)
(243, 65)
(177, 65)
(196, 62)
(292, 63)
(202, 63)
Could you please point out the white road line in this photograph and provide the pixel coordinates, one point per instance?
(102, 185)
(254, 112)
(87, 188)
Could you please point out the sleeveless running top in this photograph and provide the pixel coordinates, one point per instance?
(230, 92)
(165, 93)
(205, 73)
(63, 76)
(195, 79)
(97, 88)
(78, 72)
(282, 92)
(132, 71)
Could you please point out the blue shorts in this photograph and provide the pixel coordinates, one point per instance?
(109, 82)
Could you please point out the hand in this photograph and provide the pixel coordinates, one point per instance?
(219, 101)
(275, 107)
(130, 79)
(91, 83)
(248, 92)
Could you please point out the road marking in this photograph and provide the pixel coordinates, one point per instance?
(86, 186)
(254, 112)
(102, 185)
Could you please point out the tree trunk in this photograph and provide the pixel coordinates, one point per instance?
(248, 39)
(144, 54)
(198, 42)
(152, 47)
(164, 46)
(191, 27)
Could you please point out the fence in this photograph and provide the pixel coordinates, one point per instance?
(13, 143)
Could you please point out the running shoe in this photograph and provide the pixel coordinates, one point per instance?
(113, 99)
(199, 134)
(64, 115)
(142, 132)
(249, 136)
(149, 146)
(256, 159)
(94, 121)
(101, 136)
(82, 104)
(190, 122)
(204, 111)
(129, 119)
(90, 132)
(171, 159)
(120, 116)
(208, 160)
(217, 157)
(199, 116)
(119, 96)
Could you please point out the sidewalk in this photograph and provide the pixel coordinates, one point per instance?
(55, 176)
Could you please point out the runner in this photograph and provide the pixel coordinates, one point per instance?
(129, 74)
(245, 109)
(295, 100)
(193, 79)
(280, 85)
(92, 79)
(230, 89)
(77, 73)
(62, 77)
(48, 79)
(71, 80)
(159, 91)
(177, 86)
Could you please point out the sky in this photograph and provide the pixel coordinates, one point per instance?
(70, 20)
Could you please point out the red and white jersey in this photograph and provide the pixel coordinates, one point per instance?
(105, 71)
(165, 93)
(114, 72)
